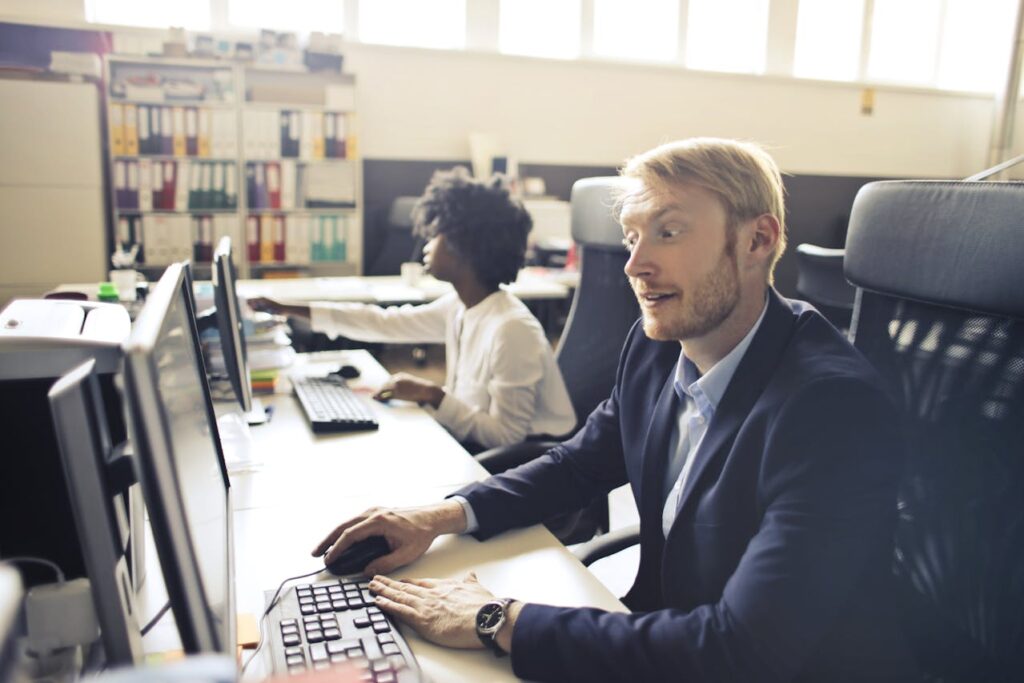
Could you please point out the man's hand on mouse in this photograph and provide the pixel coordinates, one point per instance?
(409, 532)
(406, 387)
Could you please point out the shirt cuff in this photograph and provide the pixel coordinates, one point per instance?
(471, 522)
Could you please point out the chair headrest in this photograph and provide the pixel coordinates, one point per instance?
(593, 220)
(400, 215)
(952, 243)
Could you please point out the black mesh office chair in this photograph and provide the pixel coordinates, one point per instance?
(821, 282)
(603, 309)
(940, 312)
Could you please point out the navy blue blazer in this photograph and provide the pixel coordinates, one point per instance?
(777, 565)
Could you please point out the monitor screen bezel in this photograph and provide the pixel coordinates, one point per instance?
(79, 419)
(159, 477)
(229, 323)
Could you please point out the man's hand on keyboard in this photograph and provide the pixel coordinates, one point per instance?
(406, 387)
(409, 532)
(441, 610)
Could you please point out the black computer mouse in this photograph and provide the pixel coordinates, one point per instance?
(361, 553)
(347, 371)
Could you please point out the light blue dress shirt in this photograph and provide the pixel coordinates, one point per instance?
(698, 399)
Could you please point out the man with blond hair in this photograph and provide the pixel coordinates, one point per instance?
(761, 449)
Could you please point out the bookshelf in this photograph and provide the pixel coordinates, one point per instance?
(199, 149)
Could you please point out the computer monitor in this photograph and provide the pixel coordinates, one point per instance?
(229, 323)
(181, 466)
(97, 504)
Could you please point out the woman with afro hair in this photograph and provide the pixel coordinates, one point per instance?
(502, 384)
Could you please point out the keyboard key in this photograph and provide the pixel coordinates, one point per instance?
(381, 665)
(291, 660)
(385, 638)
(307, 609)
(339, 605)
(289, 651)
(332, 634)
(318, 652)
(377, 616)
(385, 677)
(338, 658)
(291, 639)
(336, 647)
(315, 635)
(289, 622)
(361, 622)
(390, 649)
(381, 627)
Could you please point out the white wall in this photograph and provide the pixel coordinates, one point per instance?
(421, 104)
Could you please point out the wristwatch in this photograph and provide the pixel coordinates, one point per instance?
(489, 620)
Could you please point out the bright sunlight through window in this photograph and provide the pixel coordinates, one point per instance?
(541, 28)
(976, 41)
(190, 14)
(417, 23)
(641, 29)
(301, 16)
(828, 37)
(727, 35)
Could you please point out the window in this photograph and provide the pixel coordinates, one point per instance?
(542, 28)
(976, 42)
(904, 40)
(641, 29)
(727, 35)
(190, 14)
(828, 39)
(301, 16)
(438, 23)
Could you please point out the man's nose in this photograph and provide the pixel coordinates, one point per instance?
(639, 263)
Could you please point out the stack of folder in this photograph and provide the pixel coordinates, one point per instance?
(298, 134)
(153, 129)
(297, 239)
(168, 185)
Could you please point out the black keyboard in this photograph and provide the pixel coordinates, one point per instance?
(331, 406)
(316, 626)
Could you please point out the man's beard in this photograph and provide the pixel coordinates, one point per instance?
(700, 311)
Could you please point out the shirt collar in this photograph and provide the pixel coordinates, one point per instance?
(480, 309)
(707, 390)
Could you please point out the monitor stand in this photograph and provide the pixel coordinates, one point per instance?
(259, 414)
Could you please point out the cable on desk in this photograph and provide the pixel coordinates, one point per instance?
(273, 601)
(152, 622)
(37, 560)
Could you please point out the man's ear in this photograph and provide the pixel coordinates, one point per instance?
(765, 237)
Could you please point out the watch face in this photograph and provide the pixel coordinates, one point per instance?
(489, 616)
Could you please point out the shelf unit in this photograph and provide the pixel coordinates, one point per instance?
(199, 149)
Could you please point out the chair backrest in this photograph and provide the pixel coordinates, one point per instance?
(820, 277)
(399, 245)
(604, 307)
(940, 312)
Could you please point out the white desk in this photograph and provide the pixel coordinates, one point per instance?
(307, 484)
(532, 284)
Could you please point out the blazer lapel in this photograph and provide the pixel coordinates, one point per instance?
(655, 459)
(746, 385)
